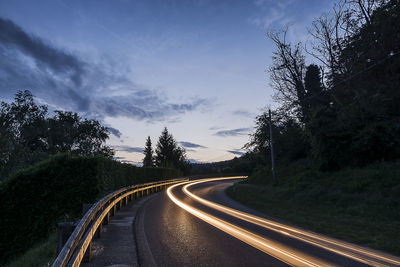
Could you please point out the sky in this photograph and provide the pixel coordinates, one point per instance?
(197, 67)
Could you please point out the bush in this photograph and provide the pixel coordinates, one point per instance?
(33, 200)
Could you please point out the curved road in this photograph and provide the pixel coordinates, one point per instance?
(196, 224)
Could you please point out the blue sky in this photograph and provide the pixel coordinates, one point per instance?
(197, 67)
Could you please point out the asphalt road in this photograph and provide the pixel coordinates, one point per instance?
(176, 229)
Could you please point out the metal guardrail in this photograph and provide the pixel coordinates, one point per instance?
(77, 244)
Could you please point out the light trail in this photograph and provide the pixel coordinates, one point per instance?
(354, 252)
(275, 249)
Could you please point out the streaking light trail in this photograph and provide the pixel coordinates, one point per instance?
(273, 248)
(277, 250)
(364, 255)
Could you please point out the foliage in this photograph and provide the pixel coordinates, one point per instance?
(148, 160)
(28, 134)
(288, 136)
(348, 112)
(169, 154)
(236, 166)
(42, 254)
(34, 200)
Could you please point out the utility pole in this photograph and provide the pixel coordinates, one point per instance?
(271, 145)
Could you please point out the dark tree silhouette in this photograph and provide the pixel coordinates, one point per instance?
(287, 73)
(148, 160)
(169, 154)
(28, 134)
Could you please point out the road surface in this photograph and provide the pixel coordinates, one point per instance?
(196, 224)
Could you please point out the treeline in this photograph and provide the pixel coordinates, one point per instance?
(168, 154)
(343, 109)
(28, 134)
(33, 200)
(242, 165)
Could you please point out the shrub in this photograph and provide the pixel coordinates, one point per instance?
(33, 200)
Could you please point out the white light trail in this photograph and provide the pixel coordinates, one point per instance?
(273, 248)
(364, 255)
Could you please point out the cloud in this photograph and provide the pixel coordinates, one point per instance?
(214, 128)
(129, 149)
(56, 60)
(272, 12)
(191, 145)
(98, 89)
(244, 113)
(233, 132)
(236, 152)
(114, 131)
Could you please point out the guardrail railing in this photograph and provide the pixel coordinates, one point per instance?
(80, 240)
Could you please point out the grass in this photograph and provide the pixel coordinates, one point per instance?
(42, 254)
(358, 205)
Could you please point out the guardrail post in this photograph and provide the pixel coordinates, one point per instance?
(107, 218)
(65, 230)
(113, 210)
(98, 231)
(88, 254)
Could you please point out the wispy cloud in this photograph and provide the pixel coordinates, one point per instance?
(129, 149)
(271, 13)
(236, 152)
(233, 132)
(191, 145)
(114, 131)
(64, 79)
(244, 113)
(214, 128)
(52, 59)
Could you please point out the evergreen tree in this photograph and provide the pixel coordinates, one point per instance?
(168, 153)
(148, 160)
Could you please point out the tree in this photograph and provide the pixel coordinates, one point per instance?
(348, 106)
(289, 138)
(148, 160)
(23, 132)
(315, 95)
(169, 154)
(68, 132)
(287, 74)
(28, 134)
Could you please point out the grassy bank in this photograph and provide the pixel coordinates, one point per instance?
(358, 205)
(42, 254)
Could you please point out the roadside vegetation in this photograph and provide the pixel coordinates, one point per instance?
(336, 128)
(357, 204)
(42, 254)
(33, 200)
(52, 164)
